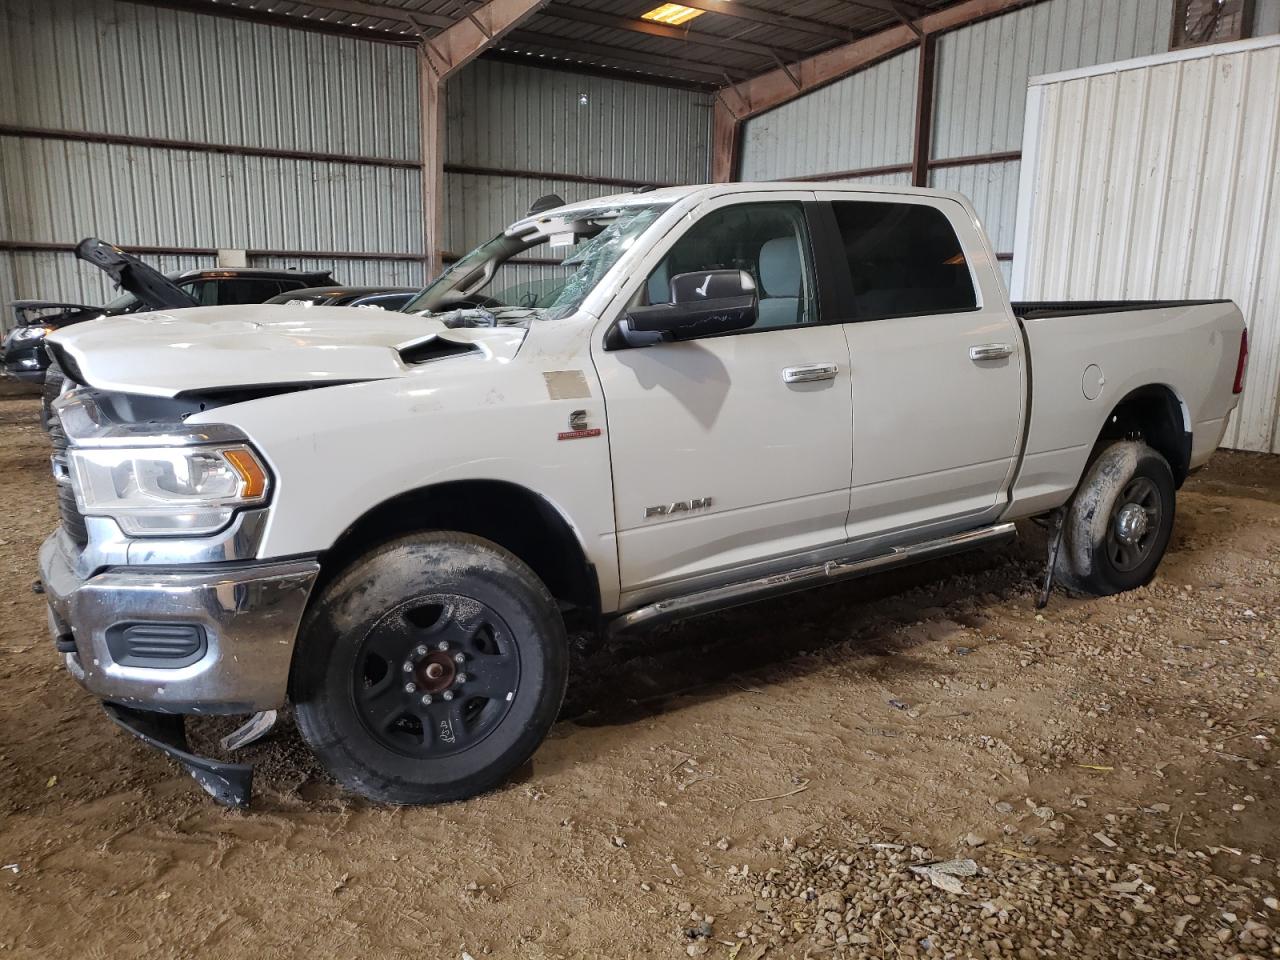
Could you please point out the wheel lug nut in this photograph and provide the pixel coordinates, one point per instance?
(459, 658)
(442, 645)
(448, 694)
(462, 678)
(407, 666)
(420, 651)
(426, 699)
(410, 688)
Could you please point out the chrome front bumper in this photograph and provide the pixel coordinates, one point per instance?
(249, 613)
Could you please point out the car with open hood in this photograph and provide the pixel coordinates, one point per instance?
(22, 355)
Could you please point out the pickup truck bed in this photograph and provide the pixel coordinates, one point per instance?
(1058, 308)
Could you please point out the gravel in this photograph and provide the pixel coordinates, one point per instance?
(863, 896)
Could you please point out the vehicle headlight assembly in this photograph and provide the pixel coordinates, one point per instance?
(27, 334)
(166, 491)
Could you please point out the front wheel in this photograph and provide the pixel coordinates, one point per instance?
(430, 670)
(1119, 522)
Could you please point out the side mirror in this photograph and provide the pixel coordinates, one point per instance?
(702, 304)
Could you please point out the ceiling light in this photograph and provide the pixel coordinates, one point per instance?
(672, 13)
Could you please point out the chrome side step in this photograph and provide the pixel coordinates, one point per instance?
(747, 591)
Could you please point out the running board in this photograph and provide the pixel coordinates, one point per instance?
(748, 591)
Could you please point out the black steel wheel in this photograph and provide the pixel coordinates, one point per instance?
(430, 670)
(436, 675)
(1119, 522)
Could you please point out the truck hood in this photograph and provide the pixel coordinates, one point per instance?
(204, 349)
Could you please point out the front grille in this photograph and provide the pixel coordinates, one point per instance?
(72, 518)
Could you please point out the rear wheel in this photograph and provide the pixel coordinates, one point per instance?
(430, 670)
(1119, 522)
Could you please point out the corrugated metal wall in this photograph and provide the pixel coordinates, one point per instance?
(100, 67)
(1163, 181)
(982, 74)
(864, 120)
(504, 116)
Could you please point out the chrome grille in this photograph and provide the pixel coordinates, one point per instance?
(72, 518)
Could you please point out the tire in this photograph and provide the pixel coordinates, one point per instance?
(1119, 522)
(456, 617)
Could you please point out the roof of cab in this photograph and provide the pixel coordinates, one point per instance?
(670, 195)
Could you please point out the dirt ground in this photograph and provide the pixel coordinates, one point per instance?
(751, 784)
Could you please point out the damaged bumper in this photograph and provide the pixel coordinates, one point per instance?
(215, 638)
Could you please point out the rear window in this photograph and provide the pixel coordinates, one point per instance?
(904, 258)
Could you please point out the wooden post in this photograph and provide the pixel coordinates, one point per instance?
(924, 111)
(725, 130)
(440, 56)
(430, 100)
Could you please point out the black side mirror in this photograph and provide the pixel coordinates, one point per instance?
(702, 304)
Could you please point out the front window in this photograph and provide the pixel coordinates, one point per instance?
(503, 279)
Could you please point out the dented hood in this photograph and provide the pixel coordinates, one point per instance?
(260, 345)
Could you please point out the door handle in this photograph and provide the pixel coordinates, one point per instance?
(990, 351)
(809, 373)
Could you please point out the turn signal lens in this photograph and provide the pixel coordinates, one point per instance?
(1242, 362)
(251, 472)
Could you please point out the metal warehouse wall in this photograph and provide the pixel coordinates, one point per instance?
(1160, 178)
(514, 133)
(866, 119)
(76, 73)
(860, 122)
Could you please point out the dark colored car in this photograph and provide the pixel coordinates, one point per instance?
(145, 288)
(386, 298)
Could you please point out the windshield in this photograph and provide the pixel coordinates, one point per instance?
(496, 277)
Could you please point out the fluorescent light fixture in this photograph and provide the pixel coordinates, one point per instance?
(673, 14)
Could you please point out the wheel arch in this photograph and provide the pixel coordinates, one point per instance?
(1157, 415)
(514, 517)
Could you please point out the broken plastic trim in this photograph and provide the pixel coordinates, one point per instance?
(230, 784)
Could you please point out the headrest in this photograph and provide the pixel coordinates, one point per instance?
(780, 267)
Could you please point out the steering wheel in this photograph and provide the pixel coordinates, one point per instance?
(473, 301)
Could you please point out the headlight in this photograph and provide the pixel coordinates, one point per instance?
(27, 334)
(160, 491)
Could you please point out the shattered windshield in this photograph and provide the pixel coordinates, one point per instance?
(512, 278)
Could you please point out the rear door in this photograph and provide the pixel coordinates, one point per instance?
(736, 448)
(936, 363)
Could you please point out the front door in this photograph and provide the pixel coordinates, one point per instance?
(736, 448)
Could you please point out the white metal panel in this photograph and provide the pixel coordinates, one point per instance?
(62, 191)
(140, 70)
(511, 116)
(147, 71)
(983, 68)
(993, 189)
(1266, 17)
(1160, 178)
(864, 120)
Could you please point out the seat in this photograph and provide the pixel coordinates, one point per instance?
(780, 282)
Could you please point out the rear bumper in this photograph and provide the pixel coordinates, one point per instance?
(246, 613)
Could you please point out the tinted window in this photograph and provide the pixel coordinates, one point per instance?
(245, 290)
(768, 240)
(904, 258)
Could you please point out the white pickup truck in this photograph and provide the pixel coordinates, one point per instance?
(726, 392)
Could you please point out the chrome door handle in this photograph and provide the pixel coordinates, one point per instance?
(809, 373)
(990, 351)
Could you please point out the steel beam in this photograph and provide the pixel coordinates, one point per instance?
(439, 57)
(921, 145)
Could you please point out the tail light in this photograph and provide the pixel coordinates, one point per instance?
(1242, 362)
